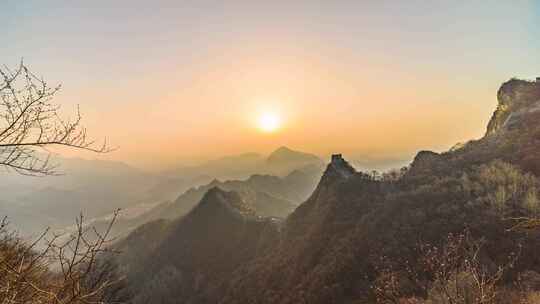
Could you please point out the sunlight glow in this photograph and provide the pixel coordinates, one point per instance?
(269, 122)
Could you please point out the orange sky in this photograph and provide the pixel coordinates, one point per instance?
(183, 84)
(324, 106)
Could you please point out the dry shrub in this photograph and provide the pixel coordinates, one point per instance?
(450, 274)
(53, 271)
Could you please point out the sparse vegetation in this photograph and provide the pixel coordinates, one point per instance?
(50, 269)
(451, 273)
(54, 270)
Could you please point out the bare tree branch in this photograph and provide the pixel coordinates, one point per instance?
(82, 277)
(30, 122)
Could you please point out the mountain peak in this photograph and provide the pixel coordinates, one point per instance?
(216, 198)
(286, 155)
(283, 149)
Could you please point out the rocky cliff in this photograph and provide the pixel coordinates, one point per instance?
(515, 98)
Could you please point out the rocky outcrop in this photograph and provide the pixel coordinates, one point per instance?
(515, 99)
(424, 161)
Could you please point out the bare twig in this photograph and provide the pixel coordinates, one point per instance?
(30, 122)
(82, 277)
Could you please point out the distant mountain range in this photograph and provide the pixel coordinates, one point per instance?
(93, 187)
(335, 246)
(270, 196)
(97, 187)
(280, 162)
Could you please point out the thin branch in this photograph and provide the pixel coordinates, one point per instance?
(30, 123)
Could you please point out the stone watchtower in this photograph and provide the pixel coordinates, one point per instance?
(337, 158)
(339, 167)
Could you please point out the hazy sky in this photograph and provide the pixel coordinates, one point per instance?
(180, 81)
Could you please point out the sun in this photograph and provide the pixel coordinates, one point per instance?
(269, 122)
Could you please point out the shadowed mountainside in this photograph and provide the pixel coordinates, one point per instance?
(195, 252)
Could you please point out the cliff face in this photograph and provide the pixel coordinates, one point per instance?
(516, 98)
(513, 135)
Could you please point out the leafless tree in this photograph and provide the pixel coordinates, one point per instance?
(53, 269)
(26, 269)
(30, 122)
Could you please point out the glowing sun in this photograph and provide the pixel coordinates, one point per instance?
(269, 122)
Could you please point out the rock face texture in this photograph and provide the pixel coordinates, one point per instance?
(423, 161)
(516, 97)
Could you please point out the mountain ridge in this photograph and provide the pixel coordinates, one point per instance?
(280, 162)
(214, 239)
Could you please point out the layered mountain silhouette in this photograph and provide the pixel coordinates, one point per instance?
(283, 158)
(281, 162)
(330, 249)
(99, 187)
(270, 196)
